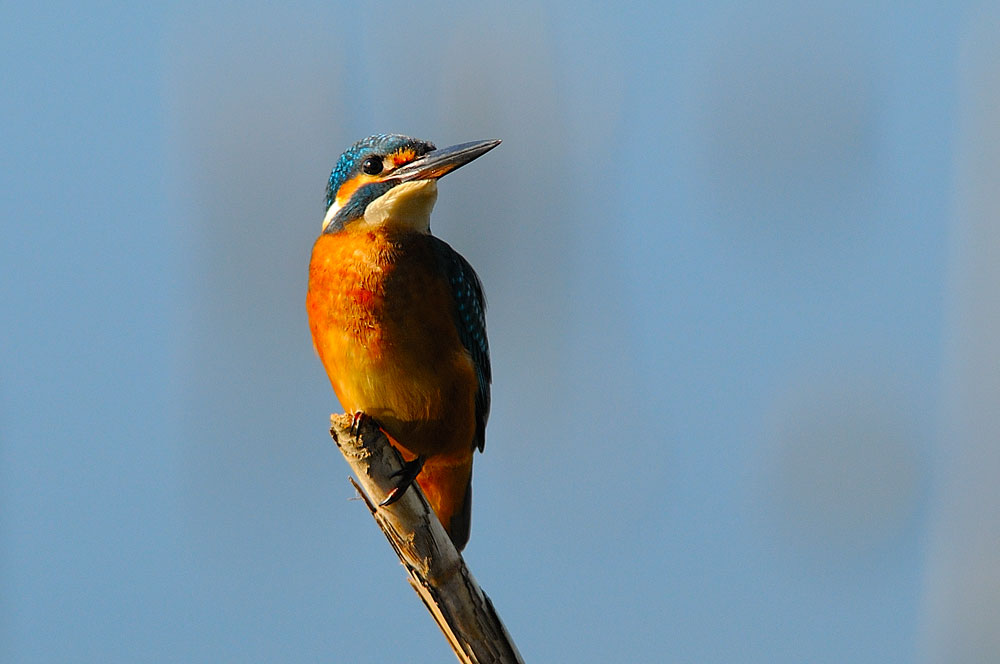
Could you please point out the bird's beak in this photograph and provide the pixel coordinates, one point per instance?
(438, 163)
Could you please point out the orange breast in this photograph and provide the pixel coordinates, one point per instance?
(382, 321)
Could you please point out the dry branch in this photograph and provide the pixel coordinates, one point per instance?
(437, 570)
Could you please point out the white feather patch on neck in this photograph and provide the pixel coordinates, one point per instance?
(331, 212)
(406, 205)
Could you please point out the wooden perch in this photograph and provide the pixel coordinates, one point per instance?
(437, 570)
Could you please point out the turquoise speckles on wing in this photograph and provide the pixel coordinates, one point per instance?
(470, 319)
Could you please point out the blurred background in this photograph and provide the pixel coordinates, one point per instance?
(742, 266)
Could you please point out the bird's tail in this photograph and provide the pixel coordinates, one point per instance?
(447, 483)
(461, 522)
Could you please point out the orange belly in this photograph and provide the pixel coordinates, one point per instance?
(382, 321)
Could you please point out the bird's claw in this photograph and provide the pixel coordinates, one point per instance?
(356, 423)
(406, 475)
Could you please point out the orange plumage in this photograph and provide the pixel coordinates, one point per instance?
(382, 322)
(398, 317)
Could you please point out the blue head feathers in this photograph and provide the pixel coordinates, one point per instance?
(374, 165)
(353, 160)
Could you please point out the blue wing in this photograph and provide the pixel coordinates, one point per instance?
(470, 318)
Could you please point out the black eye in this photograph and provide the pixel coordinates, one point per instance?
(372, 166)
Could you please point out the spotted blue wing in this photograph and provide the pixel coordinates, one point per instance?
(470, 319)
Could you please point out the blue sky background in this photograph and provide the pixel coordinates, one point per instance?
(741, 267)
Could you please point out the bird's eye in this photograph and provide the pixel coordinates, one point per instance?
(372, 166)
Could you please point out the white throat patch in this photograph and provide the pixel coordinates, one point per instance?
(331, 212)
(406, 205)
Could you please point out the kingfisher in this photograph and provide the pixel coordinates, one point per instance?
(398, 317)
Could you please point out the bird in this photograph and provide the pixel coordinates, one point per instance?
(398, 317)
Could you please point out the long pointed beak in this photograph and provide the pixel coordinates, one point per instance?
(438, 163)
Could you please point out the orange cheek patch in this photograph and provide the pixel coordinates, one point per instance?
(348, 188)
(402, 156)
(394, 160)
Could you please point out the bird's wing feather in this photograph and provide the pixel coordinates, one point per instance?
(470, 318)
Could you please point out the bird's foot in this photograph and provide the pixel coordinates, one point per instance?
(406, 475)
(356, 423)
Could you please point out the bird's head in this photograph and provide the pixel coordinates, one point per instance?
(391, 178)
